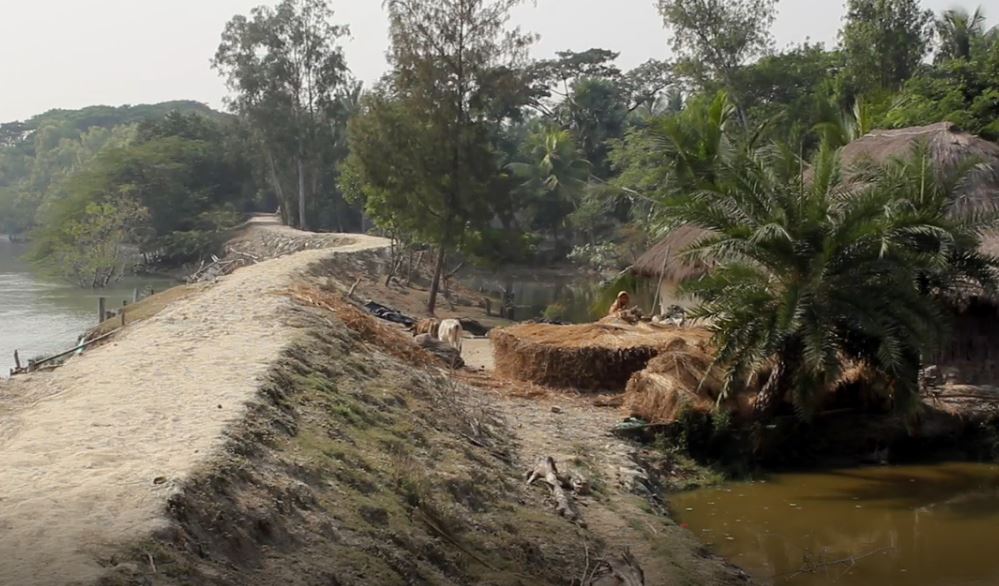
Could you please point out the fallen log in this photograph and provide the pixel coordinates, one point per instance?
(547, 471)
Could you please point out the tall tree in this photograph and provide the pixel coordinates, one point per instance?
(714, 38)
(421, 149)
(958, 33)
(286, 68)
(884, 42)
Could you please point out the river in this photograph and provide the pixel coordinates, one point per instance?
(41, 316)
(930, 525)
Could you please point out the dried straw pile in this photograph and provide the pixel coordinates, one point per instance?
(598, 356)
(680, 378)
(370, 329)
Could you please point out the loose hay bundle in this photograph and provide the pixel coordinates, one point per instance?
(598, 356)
(393, 341)
(679, 378)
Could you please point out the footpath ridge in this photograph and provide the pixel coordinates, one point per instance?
(91, 452)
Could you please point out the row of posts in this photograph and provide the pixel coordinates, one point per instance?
(102, 311)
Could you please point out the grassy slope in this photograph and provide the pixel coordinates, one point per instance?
(356, 469)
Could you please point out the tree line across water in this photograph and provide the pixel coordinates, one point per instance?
(467, 146)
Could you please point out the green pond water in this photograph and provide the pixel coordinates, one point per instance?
(570, 296)
(932, 525)
(41, 316)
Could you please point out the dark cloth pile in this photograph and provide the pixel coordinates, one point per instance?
(388, 314)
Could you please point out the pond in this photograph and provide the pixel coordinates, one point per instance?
(41, 316)
(929, 525)
(567, 294)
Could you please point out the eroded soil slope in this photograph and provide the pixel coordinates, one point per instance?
(91, 453)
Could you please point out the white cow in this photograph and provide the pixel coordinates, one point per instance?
(451, 332)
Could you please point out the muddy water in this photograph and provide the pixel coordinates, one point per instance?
(932, 525)
(41, 316)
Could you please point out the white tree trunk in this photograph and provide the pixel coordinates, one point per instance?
(301, 194)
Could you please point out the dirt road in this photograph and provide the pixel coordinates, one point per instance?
(90, 453)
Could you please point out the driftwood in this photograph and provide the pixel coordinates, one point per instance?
(547, 471)
(350, 294)
(32, 366)
(620, 570)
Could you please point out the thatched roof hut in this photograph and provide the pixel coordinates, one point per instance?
(949, 148)
(972, 355)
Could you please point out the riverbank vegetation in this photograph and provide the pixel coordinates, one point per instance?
(534, 160)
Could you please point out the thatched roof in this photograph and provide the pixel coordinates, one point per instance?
(949, 148)
(663, 258)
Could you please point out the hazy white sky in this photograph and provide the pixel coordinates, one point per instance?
(74, 53)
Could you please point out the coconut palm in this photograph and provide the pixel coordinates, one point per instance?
(556, 172)
(813, 272)
(959, 31)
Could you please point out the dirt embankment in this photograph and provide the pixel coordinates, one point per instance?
(241, 437)
(92, 452)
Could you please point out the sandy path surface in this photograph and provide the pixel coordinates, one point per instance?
(90, 453)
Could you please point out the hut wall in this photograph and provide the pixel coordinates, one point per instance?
(972, 354)
(669, 295)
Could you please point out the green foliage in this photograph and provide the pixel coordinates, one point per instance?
(290, 80)
(600, 257)
(884, 42)
(423, 157)
(962, 91)
(961, 35)
(714, 38)
(89, 244)
(554, 175)
(674, 155)
(811, 274)
(178, 184)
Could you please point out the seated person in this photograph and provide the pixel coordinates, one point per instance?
(622, 303)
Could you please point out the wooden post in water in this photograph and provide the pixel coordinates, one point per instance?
(17, 360)
(124, 304)
(135, 295)
(101, 307)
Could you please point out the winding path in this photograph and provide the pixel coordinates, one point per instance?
(90, 453)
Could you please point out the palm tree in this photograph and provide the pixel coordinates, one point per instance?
(556, 172)
(959, 32)
(813, 272)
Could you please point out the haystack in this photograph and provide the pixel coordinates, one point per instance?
(678, 379)
(598, 356)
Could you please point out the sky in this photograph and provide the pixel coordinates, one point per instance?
(75, 53)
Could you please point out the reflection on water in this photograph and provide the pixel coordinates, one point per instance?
(896, 526)
(570, 296)
(40, 317)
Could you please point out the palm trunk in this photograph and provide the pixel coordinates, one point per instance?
(772, 394)
(775, 390)
(436, 284)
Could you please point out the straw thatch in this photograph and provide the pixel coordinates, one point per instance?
(664, 260)
(949, 148)
(599, 356)
(677, 380)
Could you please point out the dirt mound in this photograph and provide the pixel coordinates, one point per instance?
(599, 356)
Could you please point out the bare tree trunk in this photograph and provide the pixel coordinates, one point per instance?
(436, 284)
(276, 181)
(301, 194)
